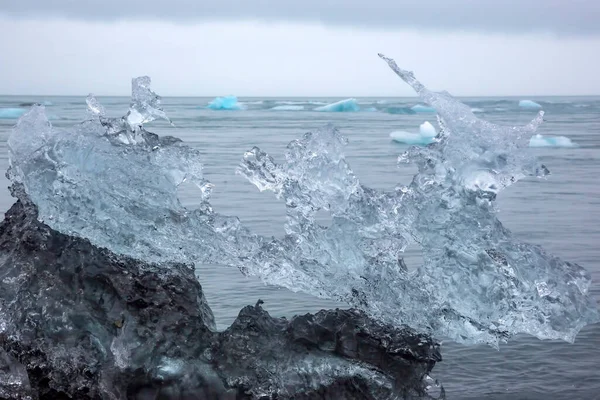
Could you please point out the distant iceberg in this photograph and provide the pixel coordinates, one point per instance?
(11, 113)
(529, 104)
(477, 110)
(400, 110)
(425, 135)
(551, 141)
(347, 105)
(288, 108)
(420, 108)
(225, 103)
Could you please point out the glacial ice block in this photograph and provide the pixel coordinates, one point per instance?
(348, 105)
(529, 104)
(114, 183)
(425, 136)
(410, 138)
(550, 141)
(11, 113)
(225, 103)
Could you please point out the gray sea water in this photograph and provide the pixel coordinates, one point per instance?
(561, 213)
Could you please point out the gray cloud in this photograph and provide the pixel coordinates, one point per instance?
(569, 17)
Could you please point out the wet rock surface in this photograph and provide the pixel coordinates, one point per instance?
(80, 322)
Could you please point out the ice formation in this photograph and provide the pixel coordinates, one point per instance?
(400, 110)
(425, 136)
(225, 103)
(340, 106)
(529, 104)
(288, 108)
(114, 183)
(11, 113)
(550, 141)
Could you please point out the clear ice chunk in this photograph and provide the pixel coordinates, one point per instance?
(114, 183)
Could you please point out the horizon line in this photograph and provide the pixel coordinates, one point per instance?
(297, 96)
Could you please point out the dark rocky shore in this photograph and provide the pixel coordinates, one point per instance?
(79, 322)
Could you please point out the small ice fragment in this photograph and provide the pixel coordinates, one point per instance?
(348, 105)
(529, 104)
(94, 107)
(477, 110)
(427, 130)
(225, 103)
(550, 141)
(145, 104)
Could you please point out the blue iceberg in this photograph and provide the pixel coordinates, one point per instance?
(11, 113)
(529, 104)
(425, 135)
(288, 108)
(348, 105)
(550, 141)
(225, 103)
(420, 108)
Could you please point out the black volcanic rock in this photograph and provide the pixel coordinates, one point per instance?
(80, 322)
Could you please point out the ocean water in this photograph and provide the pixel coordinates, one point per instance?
(561, 213)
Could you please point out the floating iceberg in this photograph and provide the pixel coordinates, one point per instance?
(347, 105)
(288, 108)
(478, 283)
(550, 141)
(420, 108)
(225, 103)
(11, 113)
(410, 138)
(425, 136)
(400, 110)
(477, 110)
(529, 104)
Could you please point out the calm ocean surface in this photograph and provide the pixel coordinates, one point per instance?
(561, 213)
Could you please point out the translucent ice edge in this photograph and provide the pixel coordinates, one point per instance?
(114, 183)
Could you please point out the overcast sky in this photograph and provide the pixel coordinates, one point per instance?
(299, 48)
